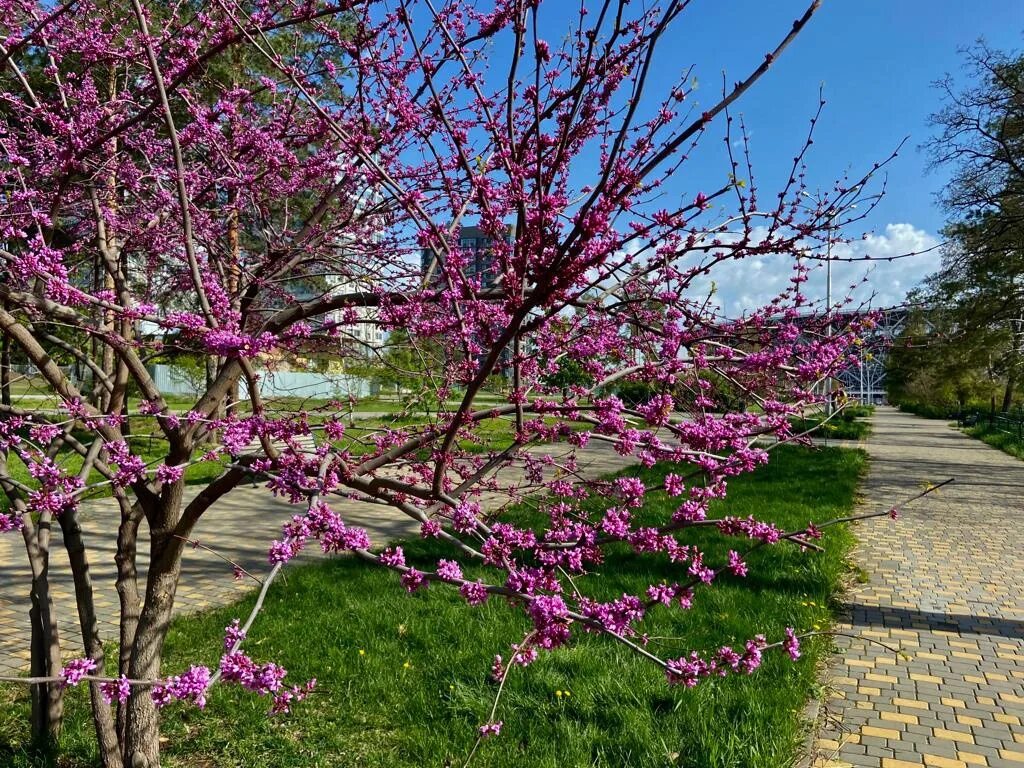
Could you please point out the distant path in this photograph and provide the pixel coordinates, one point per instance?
(240, 526)
(946, 587)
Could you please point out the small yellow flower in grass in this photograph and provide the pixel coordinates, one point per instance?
(558, 694)
(817, 626)
(362, 652)
(568, 693)
(407, 665)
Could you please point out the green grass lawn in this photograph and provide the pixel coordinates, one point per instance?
(1004, 441)
(403, 679)
(848, 424)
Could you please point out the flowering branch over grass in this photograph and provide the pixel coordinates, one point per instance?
(251, 185)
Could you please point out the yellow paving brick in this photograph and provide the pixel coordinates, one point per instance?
(968, 720)
(930, 656)
(912, 703)
(926, 678)
(888, 762)
(1012, 754)
(859, 663)
(943, 762)
(996, 676)
(971, 758)
(867, 690)
(949, 702)
(986, 700)
(880, 733)
(966, 655)
(874, 676)
(898, 717)
(942, 733)
(828, 744)
(865, 705)
(1008, 719)
(977, 679)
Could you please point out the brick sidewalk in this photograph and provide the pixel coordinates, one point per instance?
(945, 587)
(240, 526)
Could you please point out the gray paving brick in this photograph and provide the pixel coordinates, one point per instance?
(948, 570)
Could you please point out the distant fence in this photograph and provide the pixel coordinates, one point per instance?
(1011, 423)
(302, 384)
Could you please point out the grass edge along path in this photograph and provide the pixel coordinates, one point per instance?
(1004, 441)
(403, 680)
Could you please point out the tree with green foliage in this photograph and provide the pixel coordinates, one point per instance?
(975, 300)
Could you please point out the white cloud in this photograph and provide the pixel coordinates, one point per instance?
(750, 283)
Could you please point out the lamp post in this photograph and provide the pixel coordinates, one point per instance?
(828, 303)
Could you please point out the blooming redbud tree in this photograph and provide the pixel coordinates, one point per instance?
(169, 171)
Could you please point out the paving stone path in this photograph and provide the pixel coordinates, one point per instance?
(946, 586)
(239, 526)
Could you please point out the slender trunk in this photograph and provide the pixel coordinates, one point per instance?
(127, 592)
(211, 376)
(95, 345)
(141, 744)
(103, 720)
(1011, 382)
(233, 273)
(47, 699)
(108, 362)
(142, 734)
(5, 370)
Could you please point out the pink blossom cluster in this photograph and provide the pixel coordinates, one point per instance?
(322, 523)
(73, 672)
(190, 686)
(688, 670)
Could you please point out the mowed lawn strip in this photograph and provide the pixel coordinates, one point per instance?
(403, 680)
(1005, 441)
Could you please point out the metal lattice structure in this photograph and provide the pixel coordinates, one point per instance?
(865, 382)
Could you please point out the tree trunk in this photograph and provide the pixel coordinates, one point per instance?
(127, 592)
(47, 698)
(103, 720)
(5, 370)
(1011, 382)
(141, 742)
(142, 735)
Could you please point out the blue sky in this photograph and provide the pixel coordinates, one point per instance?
(876, 61)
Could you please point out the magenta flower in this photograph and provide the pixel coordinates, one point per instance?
(490, 729)
(73, 672)
(118, 690)
(791, 644)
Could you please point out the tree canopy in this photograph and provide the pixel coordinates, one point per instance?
(975, 302)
